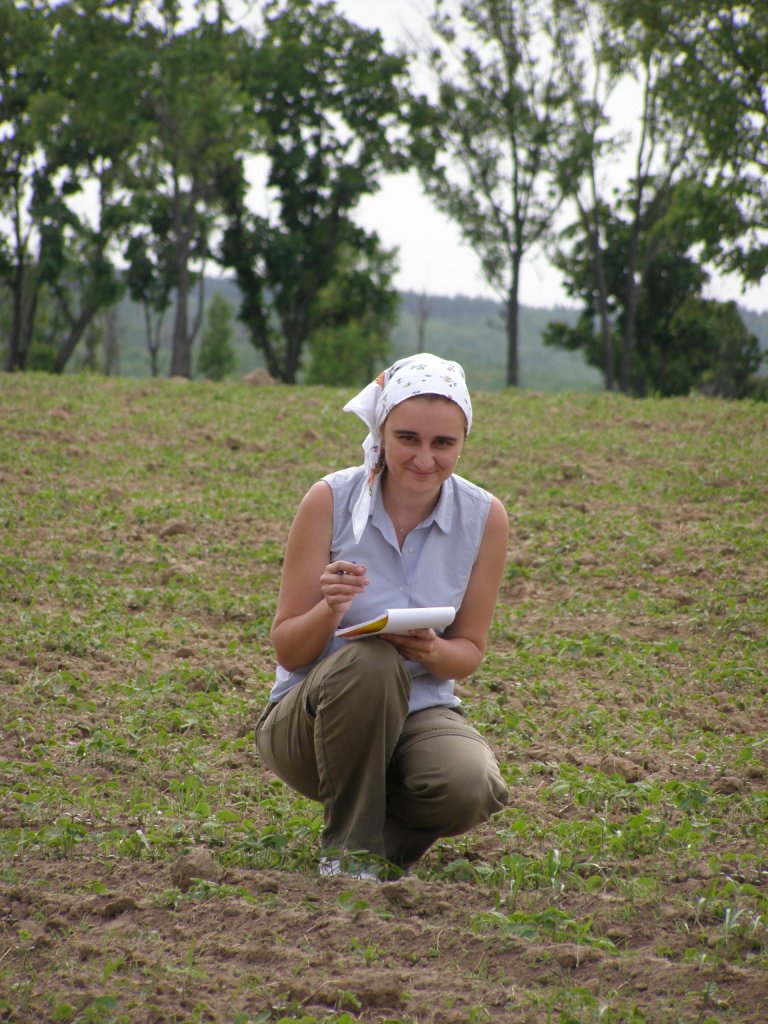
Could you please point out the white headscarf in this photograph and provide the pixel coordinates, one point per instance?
(422, 374)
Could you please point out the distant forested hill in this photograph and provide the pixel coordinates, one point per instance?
(472, 331)
(468, 329)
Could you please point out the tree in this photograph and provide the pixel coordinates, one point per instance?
(98, 69)
(216, 358)
(150, 283)
(497, 123)
(66, 71)
(720, 85)
(24, 43)
(354, 314)
(593, 61)
(335, 110)
(683, 342)
(710, 349)
(670, 200)
(194, 131)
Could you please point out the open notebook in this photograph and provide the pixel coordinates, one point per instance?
(400, 620)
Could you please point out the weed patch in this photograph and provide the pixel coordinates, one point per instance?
(625, 691)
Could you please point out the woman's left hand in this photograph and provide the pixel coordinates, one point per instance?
(418, 645)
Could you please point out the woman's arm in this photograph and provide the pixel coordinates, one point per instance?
(460, 650)
(314, 594)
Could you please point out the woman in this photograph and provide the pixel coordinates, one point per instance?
(372, 727)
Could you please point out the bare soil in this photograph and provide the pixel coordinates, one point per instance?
(91, 937)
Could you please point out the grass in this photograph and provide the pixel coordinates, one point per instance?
(141, 530)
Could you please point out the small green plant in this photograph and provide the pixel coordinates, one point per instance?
(550, 923)
(142, 528)
(370, 951)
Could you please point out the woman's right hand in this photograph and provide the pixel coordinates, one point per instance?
(341, 582)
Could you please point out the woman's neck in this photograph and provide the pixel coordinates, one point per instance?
(403, 511)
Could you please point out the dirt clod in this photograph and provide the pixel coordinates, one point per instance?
(196, 866)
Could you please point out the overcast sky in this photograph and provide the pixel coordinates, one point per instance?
(432, 256)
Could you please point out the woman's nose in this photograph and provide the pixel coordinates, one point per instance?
(423, 458)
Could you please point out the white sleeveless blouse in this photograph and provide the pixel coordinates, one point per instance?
(433, 567)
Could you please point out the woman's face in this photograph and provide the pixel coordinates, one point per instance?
(422, 439)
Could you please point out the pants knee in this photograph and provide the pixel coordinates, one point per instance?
(367, 677)
(370, 660)
(452, 799)
(371, 653)
(475, 791)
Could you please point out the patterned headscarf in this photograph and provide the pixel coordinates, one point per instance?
(422, 374)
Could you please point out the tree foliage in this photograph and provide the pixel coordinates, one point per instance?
(66, 70)
(194, 128)
(354, 314)
(142, 140)
(720, 85)
(24, 41)
(334, 109)
(161, 119)
(497, 121)
(682, 341)
(624, 253)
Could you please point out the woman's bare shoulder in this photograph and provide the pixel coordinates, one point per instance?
(498, 518)
(318, 498)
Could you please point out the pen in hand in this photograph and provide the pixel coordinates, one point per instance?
(342, 582)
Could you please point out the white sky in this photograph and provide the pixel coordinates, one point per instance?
(432, 256)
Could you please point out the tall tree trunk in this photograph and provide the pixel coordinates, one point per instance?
(24, 294)
(154, 336)
(111, 342)
(422, 316)
(642, 178)
(200, 312)
(632, 289)
(601, 291)
(512, 320)
(18, 340)
(628, 334)
(15, 356)
(637, 271)
(181, 343)
(181, 348)
(70, 343)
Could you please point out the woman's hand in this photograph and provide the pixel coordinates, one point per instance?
(418, 645)
(340, 584)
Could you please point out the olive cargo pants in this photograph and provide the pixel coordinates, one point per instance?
(390, 783)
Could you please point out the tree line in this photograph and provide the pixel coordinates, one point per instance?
(145, 140)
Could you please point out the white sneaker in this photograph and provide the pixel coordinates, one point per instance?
(332, 868)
